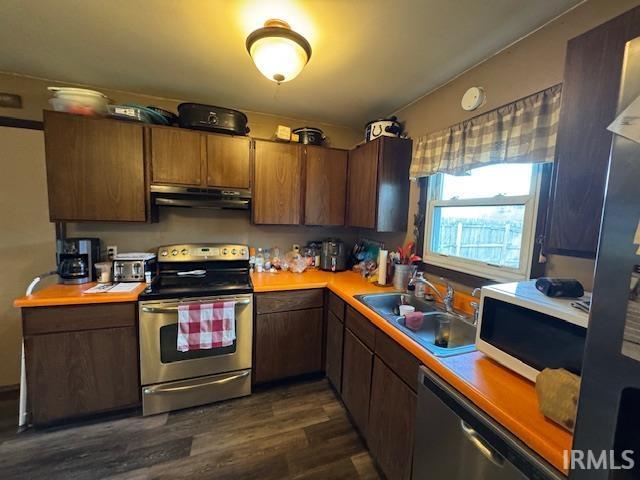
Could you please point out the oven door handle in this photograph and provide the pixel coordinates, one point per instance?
(175, 309)
(164, 389)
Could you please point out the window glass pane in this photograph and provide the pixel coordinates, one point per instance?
(486, 182)
(491, 234)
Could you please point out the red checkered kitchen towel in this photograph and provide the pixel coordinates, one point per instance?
(206, 325)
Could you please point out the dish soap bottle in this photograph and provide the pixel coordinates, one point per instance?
(420, 285)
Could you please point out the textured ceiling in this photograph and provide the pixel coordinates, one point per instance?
(370, 57)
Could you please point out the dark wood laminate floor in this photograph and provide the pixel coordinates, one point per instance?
(297, 431)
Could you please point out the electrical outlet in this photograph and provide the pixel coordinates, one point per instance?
(112, 251)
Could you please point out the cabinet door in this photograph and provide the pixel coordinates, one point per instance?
(589, 98)
(79, 373)
(277, 187)
(228, 160)
(95, 169)
(391, 422)
(288, 344)
(356, 380)
(325, 186)
(177, 156)
(335, 338)
(363, 186)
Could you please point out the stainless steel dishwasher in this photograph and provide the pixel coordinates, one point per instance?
(454, 440)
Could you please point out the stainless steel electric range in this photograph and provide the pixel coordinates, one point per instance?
(194, 273)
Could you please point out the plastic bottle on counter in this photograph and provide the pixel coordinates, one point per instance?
(252, 258)
(267, 259)
(259, 261)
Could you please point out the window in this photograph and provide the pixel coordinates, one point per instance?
(483, 223)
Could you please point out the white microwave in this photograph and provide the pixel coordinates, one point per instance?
(526, 331)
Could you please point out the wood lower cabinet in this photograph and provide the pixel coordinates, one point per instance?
(288, 335)
(590, 88)
(392, 419)
(95, 169)
(378, 185)
(228, 161)
(356, 380)
(325, 186)
(335, 343)
(277, 183)
(80, 360)
(176, 156)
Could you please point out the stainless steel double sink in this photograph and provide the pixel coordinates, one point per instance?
(457, 331)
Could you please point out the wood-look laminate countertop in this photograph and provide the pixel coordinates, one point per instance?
(505, 396)
(57, 295)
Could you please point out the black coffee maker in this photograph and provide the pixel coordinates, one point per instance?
(76, 259)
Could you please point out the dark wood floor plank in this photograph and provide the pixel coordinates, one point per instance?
(296, 431)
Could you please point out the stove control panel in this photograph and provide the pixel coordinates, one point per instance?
(203, 252)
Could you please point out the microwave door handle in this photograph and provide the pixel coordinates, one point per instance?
(175, 309)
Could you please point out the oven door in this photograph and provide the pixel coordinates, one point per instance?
(160, 360)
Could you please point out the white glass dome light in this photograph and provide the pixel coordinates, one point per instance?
(277, 51)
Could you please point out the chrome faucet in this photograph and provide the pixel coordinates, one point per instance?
(475, 305)
(448, 299)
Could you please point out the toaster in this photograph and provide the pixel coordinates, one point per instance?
(131, 267)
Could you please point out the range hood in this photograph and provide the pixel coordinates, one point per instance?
(196, 197)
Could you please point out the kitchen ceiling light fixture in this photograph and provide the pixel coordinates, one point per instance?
(278, 52)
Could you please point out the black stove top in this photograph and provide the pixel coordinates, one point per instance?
(187, 271)
(171, 285)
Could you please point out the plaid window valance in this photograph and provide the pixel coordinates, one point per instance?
(520, 132)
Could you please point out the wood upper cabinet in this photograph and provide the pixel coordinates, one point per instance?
(228, 161)
(277, 183)
(378, 185)
(363, 185)
(589, 98)
(356, 380)
(177, 156)
(325, 186)
(392, 420)
(190, 158)
(95, 169)
(80, 360)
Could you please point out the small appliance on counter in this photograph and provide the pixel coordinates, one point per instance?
(527, 331)
(132, 267)
(76, 259)
(333, 256)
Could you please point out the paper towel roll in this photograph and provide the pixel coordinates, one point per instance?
(382, 267)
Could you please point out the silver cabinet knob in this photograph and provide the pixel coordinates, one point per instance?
(164, 253)
(174, 252)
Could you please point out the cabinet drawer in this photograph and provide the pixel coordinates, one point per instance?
(288, 301)
(361, 327)
(404, 364)
(71, 318)
(336, 306)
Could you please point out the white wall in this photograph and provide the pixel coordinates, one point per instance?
(27, 239)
